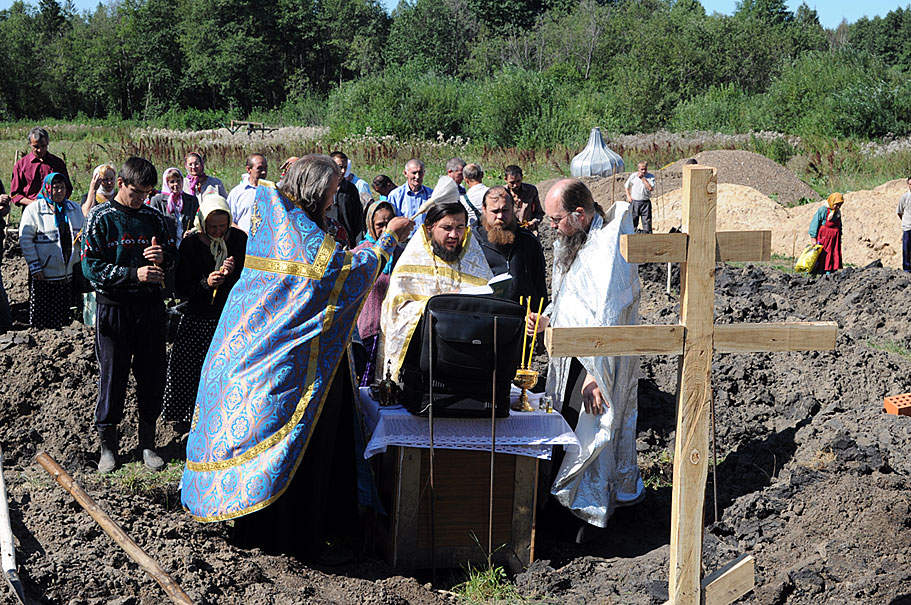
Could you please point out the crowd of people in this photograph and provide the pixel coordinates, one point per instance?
(284, 290)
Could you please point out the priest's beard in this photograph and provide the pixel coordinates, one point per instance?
(500, 235)
(448, 256)
(571, 244)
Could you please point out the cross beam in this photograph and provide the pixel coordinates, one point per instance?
(697, 248)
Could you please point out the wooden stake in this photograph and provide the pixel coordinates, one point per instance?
(111, 528)
(7, 544)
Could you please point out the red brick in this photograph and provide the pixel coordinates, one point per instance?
(898, 404)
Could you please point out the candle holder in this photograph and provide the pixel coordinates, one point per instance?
(525, 379)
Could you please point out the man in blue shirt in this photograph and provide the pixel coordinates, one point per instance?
(407, 198)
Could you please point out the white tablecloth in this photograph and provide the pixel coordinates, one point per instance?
(522, 433)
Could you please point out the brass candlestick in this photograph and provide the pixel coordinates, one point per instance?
(525, 379)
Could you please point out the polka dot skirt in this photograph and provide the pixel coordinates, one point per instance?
(49, 303)
(194, 335)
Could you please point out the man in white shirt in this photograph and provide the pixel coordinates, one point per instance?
(639, 187)
(473, 199)
(241, 198)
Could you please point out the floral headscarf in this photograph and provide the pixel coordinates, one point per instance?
(370, 234)
(175, 200)
(59, 209)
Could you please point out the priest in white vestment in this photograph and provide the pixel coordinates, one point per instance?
(593, 285)
(443, 256)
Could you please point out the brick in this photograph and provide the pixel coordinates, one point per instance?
(898, 404)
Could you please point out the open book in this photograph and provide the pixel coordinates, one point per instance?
(499, 285)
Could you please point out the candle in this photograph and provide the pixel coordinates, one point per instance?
(535, 335)
(525, 332)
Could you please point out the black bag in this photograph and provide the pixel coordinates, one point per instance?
(79, 282)
(456, 336)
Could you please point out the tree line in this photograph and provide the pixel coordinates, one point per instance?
(510, 72)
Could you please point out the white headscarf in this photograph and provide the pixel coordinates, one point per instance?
(210, 202)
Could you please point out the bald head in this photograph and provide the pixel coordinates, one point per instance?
(570, 206)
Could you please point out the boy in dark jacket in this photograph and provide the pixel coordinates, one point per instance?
(127, 250)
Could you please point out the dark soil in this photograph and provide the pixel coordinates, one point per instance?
(812, 478)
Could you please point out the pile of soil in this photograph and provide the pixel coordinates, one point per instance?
(734, 166)
(812, 475)
(870, 229)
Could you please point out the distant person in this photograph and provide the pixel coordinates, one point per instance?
(904, 213)
(30, 171)
(529, 211)
(825, 229)
(473, 196)
(240, 200)
(360, 184)
(639, 187)
(101, 187)
(511, 249)
(383, 185)
(454, 168)
(407, 198)
(346, 207)
(127, 252)
(210, 263)
(178, 207)
(197, 181)
(46, 233)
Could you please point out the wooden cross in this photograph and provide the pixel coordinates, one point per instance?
(695, 338)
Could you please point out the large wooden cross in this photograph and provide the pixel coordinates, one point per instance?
(695, 338)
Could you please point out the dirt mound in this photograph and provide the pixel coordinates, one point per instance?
(812, 475)
(871, 229)
(734, 166)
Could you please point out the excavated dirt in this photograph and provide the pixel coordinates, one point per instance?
(812, 478)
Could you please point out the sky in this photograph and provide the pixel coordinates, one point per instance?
(830, 12)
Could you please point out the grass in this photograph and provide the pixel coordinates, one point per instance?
(889, 347)
(777, 261)
(657, 469)
(488, 585)
(135, 478)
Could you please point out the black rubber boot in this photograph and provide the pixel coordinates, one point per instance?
(109, 446)
(147, 446)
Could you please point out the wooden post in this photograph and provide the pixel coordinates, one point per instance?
(694, 387)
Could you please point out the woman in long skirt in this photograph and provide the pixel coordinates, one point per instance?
(825, 229)
(46, 232)
(211, 259)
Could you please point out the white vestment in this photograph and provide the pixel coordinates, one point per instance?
(599, 289)
(418, 275)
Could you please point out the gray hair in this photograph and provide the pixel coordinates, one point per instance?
(415, 162)
(455, 164)
(473, 172)
(39, 135)
(307, 182)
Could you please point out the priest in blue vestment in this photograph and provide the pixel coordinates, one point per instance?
(273, 412)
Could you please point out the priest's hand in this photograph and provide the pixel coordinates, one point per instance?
(594, 401)
(530, 323)
(401, 227)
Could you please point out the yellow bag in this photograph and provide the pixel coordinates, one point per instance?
(807, 260)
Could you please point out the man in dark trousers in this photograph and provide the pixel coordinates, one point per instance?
(510, 248)
(127, 251)
(346, 206)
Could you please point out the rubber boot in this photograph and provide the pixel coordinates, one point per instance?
(147, 446)
(108, 438)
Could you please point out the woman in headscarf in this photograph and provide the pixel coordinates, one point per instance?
(825, 229)
(197, 181)
(46, 233)
(101, 188)
(368, 322)
(178, 207)
(210, 262)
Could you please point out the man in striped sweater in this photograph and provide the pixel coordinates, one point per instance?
(127, 250)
